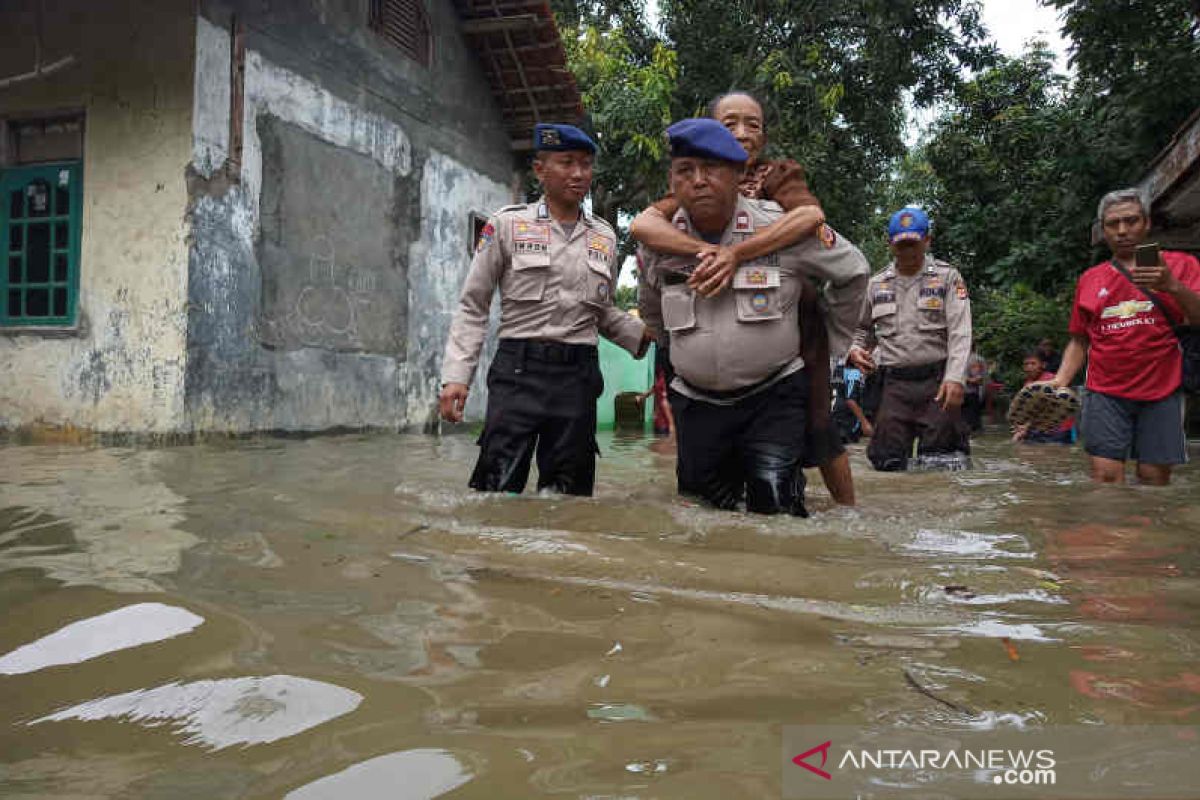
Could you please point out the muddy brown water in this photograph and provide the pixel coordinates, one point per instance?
(341, 617)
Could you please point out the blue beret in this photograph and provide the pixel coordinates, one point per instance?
(908, 223)
(547, 136)
(703, 137)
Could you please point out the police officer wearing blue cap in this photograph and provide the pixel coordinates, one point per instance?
(740, 390)
(918, 314)
(556, 269)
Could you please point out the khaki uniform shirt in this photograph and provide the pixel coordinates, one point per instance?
(918, 319)
(750, 332)
(553, 286)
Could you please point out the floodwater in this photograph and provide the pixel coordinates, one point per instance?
(341, 618)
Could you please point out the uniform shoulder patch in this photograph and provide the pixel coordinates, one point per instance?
(485, 237)
(960, 289)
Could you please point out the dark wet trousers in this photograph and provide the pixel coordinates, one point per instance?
(541, 396)
(908, 411)
(751, 449)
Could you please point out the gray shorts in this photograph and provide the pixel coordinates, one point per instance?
(1150, 432)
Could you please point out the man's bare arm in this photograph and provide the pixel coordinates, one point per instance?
(656, 232)
(1072, 361)
(797, 224)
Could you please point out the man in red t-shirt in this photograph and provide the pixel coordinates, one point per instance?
(1134, 407)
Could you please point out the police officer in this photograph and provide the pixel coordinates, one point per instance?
(918, 313)
(740, 389)
(556, 267)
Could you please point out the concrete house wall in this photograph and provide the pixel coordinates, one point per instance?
(302, 279)
(122, 366)
(322, 279)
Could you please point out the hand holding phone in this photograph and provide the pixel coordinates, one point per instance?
(1147, 255)
(1148, 270)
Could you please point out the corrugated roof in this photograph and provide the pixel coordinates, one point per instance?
(519, 47)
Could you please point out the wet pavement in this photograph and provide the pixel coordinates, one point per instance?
(340, 617)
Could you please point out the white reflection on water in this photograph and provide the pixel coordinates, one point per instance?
(408, 775)
(223, 713)
(89, 638)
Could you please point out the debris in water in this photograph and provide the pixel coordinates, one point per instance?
(958, 590)
(1011, 649)
(619, 712)
(913, 682)
(616, 648)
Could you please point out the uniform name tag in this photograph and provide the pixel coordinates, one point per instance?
(526, 231)
(756, 277)
(931, 303)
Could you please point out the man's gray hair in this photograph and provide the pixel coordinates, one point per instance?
(1123, 196)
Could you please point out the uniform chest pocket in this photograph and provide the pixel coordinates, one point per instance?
(598, 290)
(678, 307)
(884, 317)
(931, 319)
(526, 281)
(756, 289)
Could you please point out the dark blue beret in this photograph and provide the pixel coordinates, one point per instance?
(548, 136)
(704, 137)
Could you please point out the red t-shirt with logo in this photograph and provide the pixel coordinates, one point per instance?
(1134, 354)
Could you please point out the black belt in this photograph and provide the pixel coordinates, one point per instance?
(548, 352)
(731, 394)
(920, 372)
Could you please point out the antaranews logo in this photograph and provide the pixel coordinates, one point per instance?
(823, 749)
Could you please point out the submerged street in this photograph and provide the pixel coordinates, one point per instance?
(341, 617)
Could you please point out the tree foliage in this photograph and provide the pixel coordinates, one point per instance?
(1008, 322)
(834, 76)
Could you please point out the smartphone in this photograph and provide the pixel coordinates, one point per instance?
(1146, 255)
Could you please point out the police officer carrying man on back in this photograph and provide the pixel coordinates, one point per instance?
(918, 313)
(740, 390)
(555, 266)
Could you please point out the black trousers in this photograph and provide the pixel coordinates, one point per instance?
(541, 398)
(909, 412)
(752, 449)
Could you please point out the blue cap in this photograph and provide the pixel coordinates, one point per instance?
(908, 223)
(704, 137)
(553, 137)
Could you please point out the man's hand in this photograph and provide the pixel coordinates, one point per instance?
(867, 428)
(861, 359)
(452, 401)
(950, 395)
(1020, 432)
(1157, 278)
(649, 337)
(714, 272)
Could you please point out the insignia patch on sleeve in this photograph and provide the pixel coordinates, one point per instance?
(828, 237)
(741, 223)
(485, 237)
(960, 290)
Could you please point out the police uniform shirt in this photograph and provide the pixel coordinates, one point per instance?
(554, 286)
(918, 319)
(750, 332)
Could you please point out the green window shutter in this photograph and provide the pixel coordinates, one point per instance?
(41, 208)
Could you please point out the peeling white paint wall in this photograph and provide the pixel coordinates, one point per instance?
(438, 266)
(122, 369)
(210, 111)
(437, 260)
